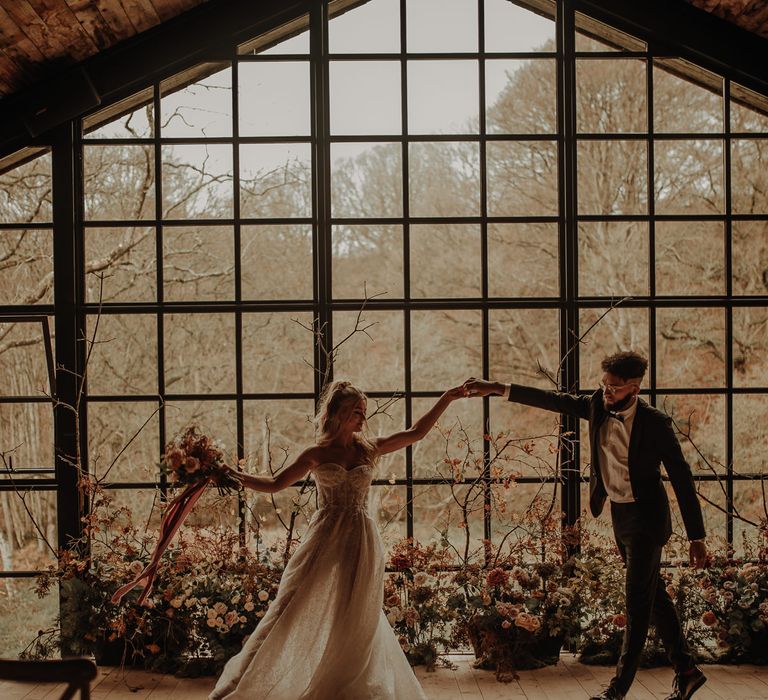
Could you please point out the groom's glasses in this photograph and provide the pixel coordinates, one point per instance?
(613, 388)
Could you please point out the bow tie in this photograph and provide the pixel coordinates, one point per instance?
(617, 416)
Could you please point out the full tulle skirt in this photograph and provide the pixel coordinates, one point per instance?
(325, 636)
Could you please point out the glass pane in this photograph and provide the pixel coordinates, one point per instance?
(680, 105)
(384, 418)
(520, 96)
(457, 26)
(690, 347)
(443, 97)
(446, 348)
(119, 182)
(24, 548)
(199, 353)
(445, 260)
(613, 258)
(749, 110)
(218, 419)
(275, 180)
(277, 353)
(276, 432)
(124, 358)
(274, 99)
(367, 259)
(197, 181)
(699, 422)
(132, 118)
(688, 177)
(749, 411)
(690, 257)
(22, 614)
(462, 420)
(456, 191)
(612, 177)
(27, 430)
(200, 109)
(366, 180)
(511, 28)
(124, 441)
(387, 506)
(437, 516)
(618, 330)
(522, 178)
(371, 360)
(374, 27)
(516, 509)
(127, 259)
(750, 346)
(25, 192)
(749, 244)
(365, 97)
(276, 262)
(198, 263)
(534, 428)
(611, 96)
(748, 503)
(22, 359)
(714, 515)
(524, 346)
(26, 257)
(523, 260)
(749, 181)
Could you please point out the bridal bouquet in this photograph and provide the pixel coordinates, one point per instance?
(192, 458)
(193, 461)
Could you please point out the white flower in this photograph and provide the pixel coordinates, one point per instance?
(420, 579)
(211, 622)
(176, 603)
(220, 608)
(249, 606)
(263, 596)
(136, 567)
(260, 613)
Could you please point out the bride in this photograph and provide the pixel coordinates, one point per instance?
(325, 636)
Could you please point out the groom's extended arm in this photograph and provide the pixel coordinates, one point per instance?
(555, 401)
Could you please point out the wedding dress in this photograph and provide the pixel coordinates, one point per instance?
(325, 636)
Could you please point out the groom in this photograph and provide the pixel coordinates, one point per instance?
(629, 439)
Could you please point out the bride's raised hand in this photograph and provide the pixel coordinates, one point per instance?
(456, 392)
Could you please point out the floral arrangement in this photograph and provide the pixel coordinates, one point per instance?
(209, 594)
(415, 600)
(735, 596)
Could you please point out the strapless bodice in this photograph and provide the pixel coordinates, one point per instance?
(340, 487)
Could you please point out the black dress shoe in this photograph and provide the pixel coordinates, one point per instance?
(686, 684)
(610, 693)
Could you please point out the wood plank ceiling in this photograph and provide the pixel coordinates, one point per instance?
(40, 37)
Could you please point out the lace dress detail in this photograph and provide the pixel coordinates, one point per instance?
(325, 636)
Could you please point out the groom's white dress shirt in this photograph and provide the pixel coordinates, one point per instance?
(614, 453)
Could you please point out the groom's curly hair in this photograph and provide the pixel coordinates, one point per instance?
(627, 365)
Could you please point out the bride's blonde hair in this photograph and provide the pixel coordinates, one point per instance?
(336, 405)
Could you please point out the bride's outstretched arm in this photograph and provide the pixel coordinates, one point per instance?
(294, 472)
(422, 426)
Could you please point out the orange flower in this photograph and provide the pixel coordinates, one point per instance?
(153, 648)
(497, 577)
(619, 620)
(709, 618)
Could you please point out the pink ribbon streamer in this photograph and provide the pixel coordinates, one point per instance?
(176, 513)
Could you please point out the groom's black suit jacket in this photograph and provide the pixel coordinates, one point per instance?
(652, 441)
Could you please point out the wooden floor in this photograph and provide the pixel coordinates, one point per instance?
(569, 680)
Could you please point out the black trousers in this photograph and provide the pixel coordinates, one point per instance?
(647, 598)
